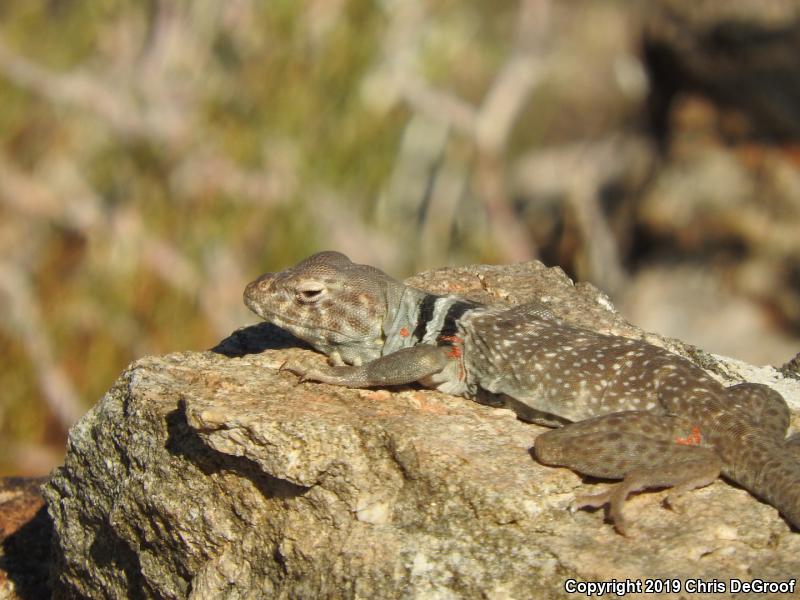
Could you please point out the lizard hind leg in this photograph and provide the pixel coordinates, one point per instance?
(681, 477)
(643, 449)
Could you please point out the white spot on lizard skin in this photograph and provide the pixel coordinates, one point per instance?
(342, 308)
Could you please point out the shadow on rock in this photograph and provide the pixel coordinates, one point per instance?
(255, 339)
(109, 548)
(26, 531)
(186, 442)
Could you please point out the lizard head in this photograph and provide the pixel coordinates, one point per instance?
(335, 305)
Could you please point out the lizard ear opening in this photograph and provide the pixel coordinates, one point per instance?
(309, 292)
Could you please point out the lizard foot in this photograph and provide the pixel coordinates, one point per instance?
(614, 497)
(325, 374)
(681, 478)
(676, 502)
(703, 475)
(304, 373)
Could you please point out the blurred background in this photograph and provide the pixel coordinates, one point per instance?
(155, 156)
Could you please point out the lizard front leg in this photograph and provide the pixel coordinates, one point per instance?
(404, 366)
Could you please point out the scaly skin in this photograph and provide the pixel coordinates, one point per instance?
(624, 409)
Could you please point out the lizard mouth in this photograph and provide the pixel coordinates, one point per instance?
(297, 328)
(252, 304)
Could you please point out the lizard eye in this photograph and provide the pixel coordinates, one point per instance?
(310, 292)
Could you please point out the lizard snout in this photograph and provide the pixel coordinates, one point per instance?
(256, 290)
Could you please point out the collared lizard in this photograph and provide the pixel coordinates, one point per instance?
(622, 408)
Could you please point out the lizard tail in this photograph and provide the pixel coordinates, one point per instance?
(755, 451)
(771, 470)
(781, 485)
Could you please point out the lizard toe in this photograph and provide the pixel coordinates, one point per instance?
(676, 503)
(614, 497)
(294, 368)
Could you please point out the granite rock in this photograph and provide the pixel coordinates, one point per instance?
(215, 475)
(25, 531)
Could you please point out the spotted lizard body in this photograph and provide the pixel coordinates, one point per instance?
(623, 409)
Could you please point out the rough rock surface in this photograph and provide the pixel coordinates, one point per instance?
(25, 530)
(214, 475)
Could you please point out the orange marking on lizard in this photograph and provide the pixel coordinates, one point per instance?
(693, 439)
(404, 332)
(455, 352)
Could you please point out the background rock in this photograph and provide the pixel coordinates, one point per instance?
(724, 201)
(203, 475)
(25, 529)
